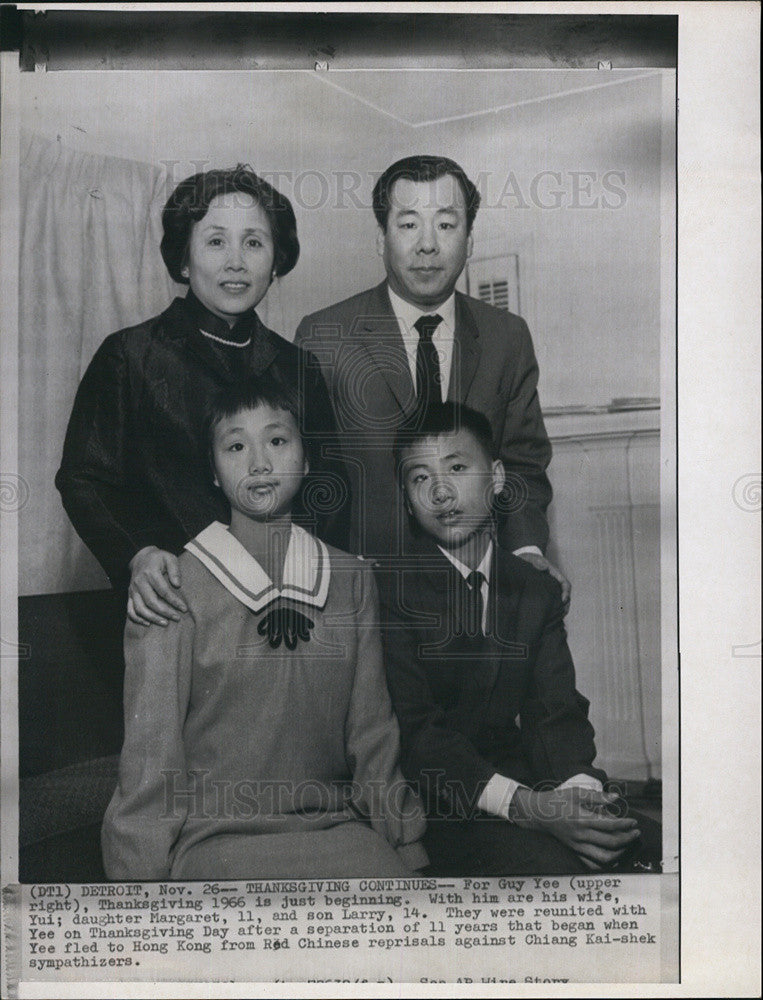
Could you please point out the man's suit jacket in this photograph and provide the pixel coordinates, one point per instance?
(361, 352)
(458, 697)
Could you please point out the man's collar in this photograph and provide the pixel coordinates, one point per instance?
(306, 571)
(407, 313)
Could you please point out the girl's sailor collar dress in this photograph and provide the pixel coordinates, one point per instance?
(306, 571)
(259, 734)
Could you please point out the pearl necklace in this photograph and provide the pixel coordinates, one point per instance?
(228, 343)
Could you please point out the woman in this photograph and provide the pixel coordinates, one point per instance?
(134, 474)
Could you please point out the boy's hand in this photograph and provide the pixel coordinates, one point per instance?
(541, 563)
(154, 594)
(579, 817)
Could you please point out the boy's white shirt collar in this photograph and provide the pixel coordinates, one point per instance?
(463, 569)
(306, 570)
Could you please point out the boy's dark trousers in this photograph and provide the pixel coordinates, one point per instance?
(488, 845)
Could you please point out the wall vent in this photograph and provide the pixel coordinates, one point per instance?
(495, 280)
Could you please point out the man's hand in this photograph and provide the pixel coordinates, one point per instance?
(541, 563)
(579, 818)
(154, 594)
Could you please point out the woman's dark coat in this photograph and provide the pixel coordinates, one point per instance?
(136, 470)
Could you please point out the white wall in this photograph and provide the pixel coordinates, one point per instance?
(605, 530)
(590, 276)
(590, 273)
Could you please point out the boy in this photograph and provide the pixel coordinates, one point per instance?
(493, 730)
(259, 736)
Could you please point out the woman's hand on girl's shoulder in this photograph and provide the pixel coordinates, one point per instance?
(154, 595)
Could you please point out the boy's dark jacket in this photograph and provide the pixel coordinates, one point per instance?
(458, 698)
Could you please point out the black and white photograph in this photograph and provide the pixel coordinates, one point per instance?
(344, 495)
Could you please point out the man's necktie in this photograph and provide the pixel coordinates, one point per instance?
(473, 605)
(428, 377)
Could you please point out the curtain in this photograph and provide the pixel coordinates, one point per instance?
(89, 264)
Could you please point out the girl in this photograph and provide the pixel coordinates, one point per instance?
(259, 737)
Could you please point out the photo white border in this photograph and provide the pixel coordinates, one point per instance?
(719, 550)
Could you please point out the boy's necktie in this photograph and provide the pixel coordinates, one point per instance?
(428, 377)
(473, 605)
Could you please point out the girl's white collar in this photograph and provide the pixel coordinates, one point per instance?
(306, 571)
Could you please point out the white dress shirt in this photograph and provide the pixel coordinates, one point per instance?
(443, 337)
(497, 794)
(484, 568)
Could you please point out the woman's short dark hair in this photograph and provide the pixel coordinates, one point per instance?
(190, 202)
(423, 168)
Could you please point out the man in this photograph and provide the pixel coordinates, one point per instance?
(388, 351)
